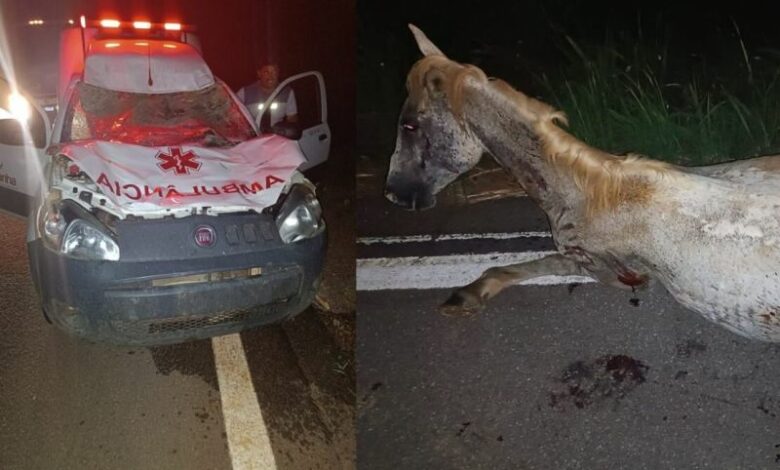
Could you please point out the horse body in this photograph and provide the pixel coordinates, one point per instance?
(710, 235)
(713, 244)
(764, 171)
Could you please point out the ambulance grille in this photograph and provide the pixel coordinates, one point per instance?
(157, 327)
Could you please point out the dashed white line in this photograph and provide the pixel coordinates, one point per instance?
(438, 272)
(450, 237)
(247, 435)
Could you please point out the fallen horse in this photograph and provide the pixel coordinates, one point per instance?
(710, 235)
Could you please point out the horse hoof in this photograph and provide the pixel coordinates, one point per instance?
(461, 304)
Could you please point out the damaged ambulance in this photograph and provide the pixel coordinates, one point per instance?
(158, 210)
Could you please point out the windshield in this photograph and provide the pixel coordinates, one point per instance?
(208, 117)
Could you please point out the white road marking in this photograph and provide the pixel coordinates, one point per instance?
(449, 237)
(438, 272)
(247, 435)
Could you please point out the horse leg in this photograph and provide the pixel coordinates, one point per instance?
(471, 298)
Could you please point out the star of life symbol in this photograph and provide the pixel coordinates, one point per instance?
(180, 163)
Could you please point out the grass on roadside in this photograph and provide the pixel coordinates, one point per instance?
(629, 96)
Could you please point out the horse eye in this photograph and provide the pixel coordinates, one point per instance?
(409, 126)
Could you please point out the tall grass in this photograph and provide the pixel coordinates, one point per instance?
(628, 96)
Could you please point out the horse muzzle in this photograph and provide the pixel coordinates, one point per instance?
(414, 199)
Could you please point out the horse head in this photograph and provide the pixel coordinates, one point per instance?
(433, 145)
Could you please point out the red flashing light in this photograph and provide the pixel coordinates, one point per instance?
(109, 23)
(138, 25)
(73, 169)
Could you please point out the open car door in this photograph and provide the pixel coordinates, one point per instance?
(24, 136)
(310, 126)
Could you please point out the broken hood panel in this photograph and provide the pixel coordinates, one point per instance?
(141, 179)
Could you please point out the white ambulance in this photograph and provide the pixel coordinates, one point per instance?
(158, 210)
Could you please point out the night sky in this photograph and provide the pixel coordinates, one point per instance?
(512, 39)
(462, 24)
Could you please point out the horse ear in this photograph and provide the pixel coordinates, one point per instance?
(434, 82)
(425, 44)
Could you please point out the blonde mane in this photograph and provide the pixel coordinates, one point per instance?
(606, 180)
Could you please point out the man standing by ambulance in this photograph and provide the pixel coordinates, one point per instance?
(283, 107)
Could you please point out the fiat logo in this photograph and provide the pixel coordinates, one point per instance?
(205, 236)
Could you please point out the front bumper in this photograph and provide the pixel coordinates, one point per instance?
(141, 299)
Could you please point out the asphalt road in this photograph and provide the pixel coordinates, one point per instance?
(549, 377)
(69, 404)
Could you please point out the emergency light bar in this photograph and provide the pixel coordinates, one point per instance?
(109, 23)
(113, 24)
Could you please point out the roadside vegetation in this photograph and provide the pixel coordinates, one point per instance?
(630, 95)
(669, 81)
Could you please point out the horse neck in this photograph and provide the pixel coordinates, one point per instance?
(497, 122)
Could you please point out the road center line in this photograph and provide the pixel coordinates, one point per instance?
(247, 435)
(438, 272)
(450, 237)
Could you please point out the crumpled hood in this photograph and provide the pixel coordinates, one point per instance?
(251, 174)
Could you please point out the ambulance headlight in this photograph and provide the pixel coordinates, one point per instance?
(66, 228)
(86, 241)
(300, 216)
